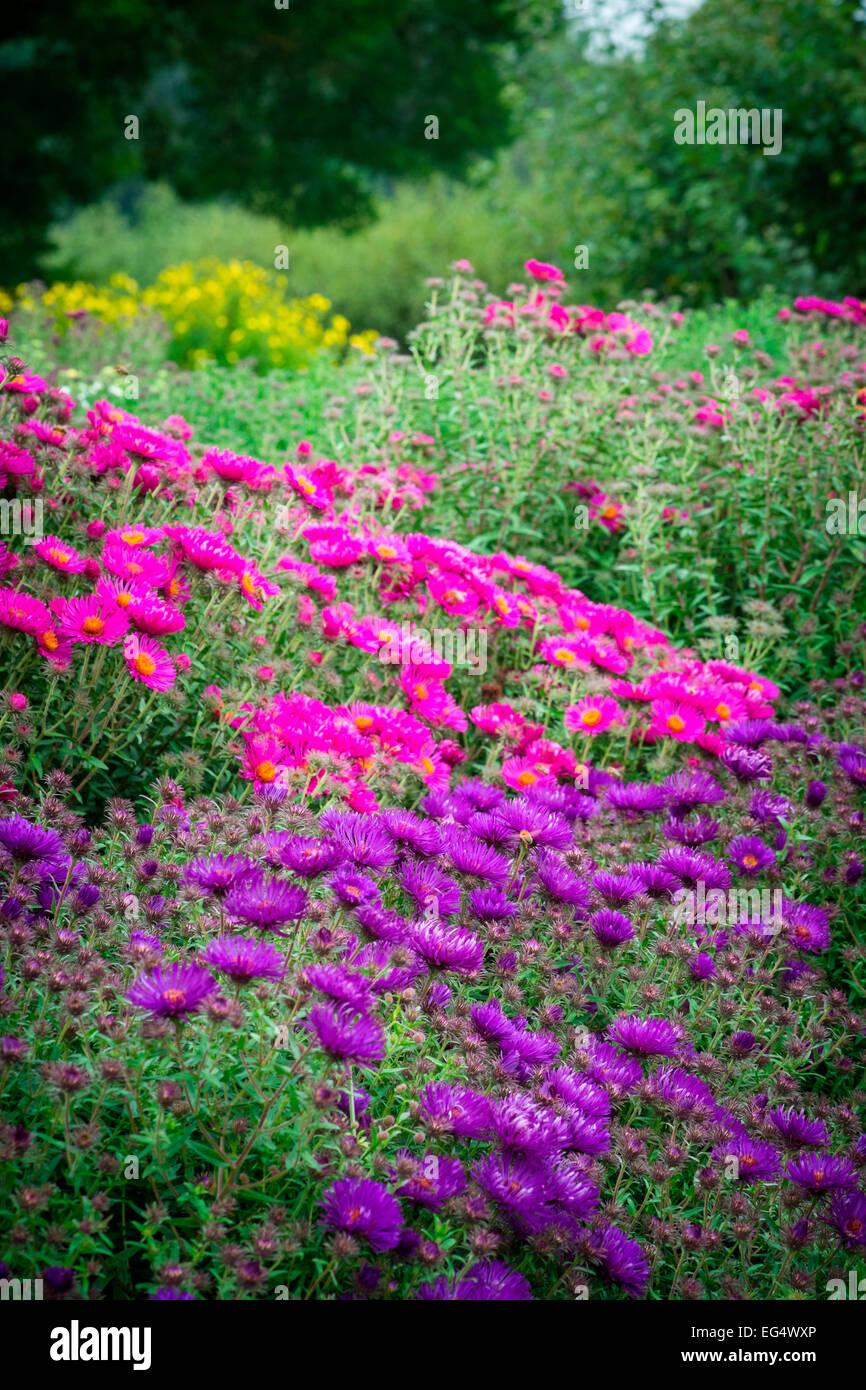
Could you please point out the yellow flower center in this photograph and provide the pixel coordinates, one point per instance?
(750, 861)
(563, 654)
(591, 717)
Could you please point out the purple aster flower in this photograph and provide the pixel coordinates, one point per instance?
(748, 764)
(816, 793)
(447, 948)
(621, 1259)
(853, 872)
(749, 854)
(363, 841)
(481, 795)
(308, 857)
(491, 905)
(700, 830)
(610, 928)
(172, 990)
(684, 1093)
(646, 1037)
(29, 843)
(345, 986)
(822, 1172)
(244, 959)
(564, 801)
(635, 798)
(353, 888)
(12, 1049)
(58, 1279)
(847, 1215)
(490, 1021)
(656, 881)
(519, 1186)
(685, 790)
(852, 760)
(751, 732)
(796, 1129)
(574, 1191)
(610, 1068)
(702, 966)
(427, 885)
(586, 1135)
(165, 1295)
(437, 1178)
(488, 1282)
(617, 888)
(469, 856)
(577, 1091)
(362, 1207)
(528, 1128)
(743, 1043)
(531, 1049)
(381, 925)
(266, 903)
(346, 1035)
(532, 825)
(747, 1160)
(408, 831)
(217, 873)
(559, 882)
(451, 1109)
(487, 827)
(807, 927)
(691, 868)
(769, 808)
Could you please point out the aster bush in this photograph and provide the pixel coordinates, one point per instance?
(382, 915)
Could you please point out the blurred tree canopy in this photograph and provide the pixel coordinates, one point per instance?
(290, 110)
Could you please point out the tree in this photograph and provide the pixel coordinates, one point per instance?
(293, 110)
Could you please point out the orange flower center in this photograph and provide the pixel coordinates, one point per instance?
(174, 997)
(93, 625)
(266, 771)
(591, 717)
(49, 641)
(144, 664)
(676, 724)
(750, 861)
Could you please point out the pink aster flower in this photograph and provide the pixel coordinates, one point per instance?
(148, 662)
(59, 555)
(155, 616)
(90, 619)
(676, 720)
(593, 714)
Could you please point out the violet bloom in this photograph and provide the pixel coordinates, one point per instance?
(701, 830)
(309, 857)
(346, 1035)
(746, 1160)
(847, 1215)
(438, 1178)
(470, 857)
(447, 948)
(523, 1125)
(408, 831)
(172, 990)
(362, 1207)
(363, 841)
(345, 986)
(519, 1186)
(491, 905)
(532, 825)
(656, 881)
(616, 888)
(646, 1037)
(29, 843)
(621, 1259)
(610, 929)
(686, 790)
(215, 874)
(353, 888)
(266, 903)
(488, 1282)
(748, 764)
(559, 881)
(816, 792)
(691, 868)
(457, 1110)
(769, 808)
(822, 1172)
(636, 798)
(749, 854)
(702, 966)
(244, 959)
(796, 1129)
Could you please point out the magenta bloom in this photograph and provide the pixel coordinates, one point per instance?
(674, 719)
(217, 873)
(265, 903)
(610, 928)
(154, 616)
(60, 556)
(148, 662)
(822, 1173)
(646, 1037)
(243, 959)
(449, 1109)
(362, 1207)
(172, 990)
(345, 986)
(29, 843)
(92, 619)
(347, 1035)
(592, 715)
(796, 1129)
(847, 1215)
(747, 1161)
